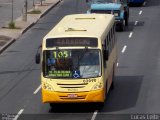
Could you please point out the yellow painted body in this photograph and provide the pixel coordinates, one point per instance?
(61, 97)
(80, 90)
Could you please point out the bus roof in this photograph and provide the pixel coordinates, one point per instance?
(82, 25)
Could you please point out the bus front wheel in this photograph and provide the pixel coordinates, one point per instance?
(99, 105)
(113, 77)
(51, 105)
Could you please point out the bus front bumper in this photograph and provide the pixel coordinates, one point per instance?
(62, 97)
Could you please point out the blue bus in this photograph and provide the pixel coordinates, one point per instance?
(136, 1)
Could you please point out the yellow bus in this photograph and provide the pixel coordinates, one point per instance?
(78, 58)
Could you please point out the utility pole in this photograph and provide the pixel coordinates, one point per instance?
(41, 2)
(25, 11)
(12, 13)
(33, 4)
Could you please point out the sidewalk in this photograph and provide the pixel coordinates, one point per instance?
(8, 36)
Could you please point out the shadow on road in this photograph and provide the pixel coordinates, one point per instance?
(136, 5)
(124, 95)
(151, 3)
(132, 25)
(73, 108)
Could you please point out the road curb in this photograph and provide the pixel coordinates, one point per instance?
(29, 26)
(44, 13)
(7, 45)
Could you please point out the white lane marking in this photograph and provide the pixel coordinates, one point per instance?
(140, 12)
(117, 64)
(19, 113)
(36, 91)
(144, 3)
(124, 48)
(135, 22)
(94, 115)
(130, 35)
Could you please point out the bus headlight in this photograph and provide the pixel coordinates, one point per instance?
(97, 86)
(47, 86)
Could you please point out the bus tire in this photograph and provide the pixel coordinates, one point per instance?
(126, 21)
(113, 77)
(100, 105)
(126, 16)
(122, 25)
(112, 85)
(51, 105)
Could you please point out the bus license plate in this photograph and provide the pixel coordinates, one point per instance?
(72, 95)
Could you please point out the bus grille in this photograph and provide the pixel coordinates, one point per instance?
(72, 85)
(76, 98)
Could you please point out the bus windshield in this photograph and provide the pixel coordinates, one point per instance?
(72, 63)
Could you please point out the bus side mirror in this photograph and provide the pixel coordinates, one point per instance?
(37, 58)
(105, 54)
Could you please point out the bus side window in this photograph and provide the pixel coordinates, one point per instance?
(112, 32)
(105, 44)
(114, 37)
(111, 38)
(105, 49)
(109, 43)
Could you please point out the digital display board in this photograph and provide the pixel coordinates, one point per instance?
(64, 42)
(60, 73)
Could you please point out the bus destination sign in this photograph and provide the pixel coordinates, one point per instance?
(63, 42)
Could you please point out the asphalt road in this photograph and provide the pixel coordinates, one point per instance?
(137, 76)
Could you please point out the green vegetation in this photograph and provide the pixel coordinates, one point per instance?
(34, 11)
(12, 25)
